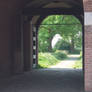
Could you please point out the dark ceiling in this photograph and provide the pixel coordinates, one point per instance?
(40, 6)
(47, 3)
(43, 8)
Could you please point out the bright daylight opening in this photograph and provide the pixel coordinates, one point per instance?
(60, 42)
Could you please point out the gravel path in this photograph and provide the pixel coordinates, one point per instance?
(68, 63)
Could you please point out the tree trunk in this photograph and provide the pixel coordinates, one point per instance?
(50, 45)
(72, 44)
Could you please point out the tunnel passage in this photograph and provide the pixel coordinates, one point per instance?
(32, 16)
(34, 13)
(16, 55)
(27, 16)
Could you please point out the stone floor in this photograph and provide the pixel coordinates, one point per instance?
(44, 80)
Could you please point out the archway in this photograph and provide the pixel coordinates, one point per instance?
(60, 25)
(16, 36)
(34, 18)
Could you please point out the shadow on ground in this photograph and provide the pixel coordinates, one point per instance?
(44, 80)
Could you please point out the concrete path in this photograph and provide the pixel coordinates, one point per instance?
(68, 63)
(44, 80)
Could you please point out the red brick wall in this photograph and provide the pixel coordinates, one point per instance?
(88, 58)
(87, 5)
(88, 49)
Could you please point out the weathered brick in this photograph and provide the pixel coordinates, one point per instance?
(87, 5)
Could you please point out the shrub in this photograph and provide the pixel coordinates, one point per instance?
(62, 51)
(63, 45)
(60, 55)
(46, 60)
(76, 51)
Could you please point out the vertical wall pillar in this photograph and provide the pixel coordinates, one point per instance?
(17, 64)
(27, 44)
(88, 44)
(31, 44)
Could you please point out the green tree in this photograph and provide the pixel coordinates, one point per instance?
(67, 26)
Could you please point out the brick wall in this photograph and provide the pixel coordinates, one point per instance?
(87, 5)
(88, 58)
(88, 46)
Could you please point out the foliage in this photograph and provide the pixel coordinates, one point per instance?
(78, 63)
(63, 51)
(67, 26)
(43, 40)
(48, 59)
(80, 54)
(62, 45)
(76, 51)
(60, 55)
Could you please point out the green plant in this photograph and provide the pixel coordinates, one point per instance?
(78, 64)
(72, 34)
(46, 60)
(81, 54)
(76, 51)
(62, 51)
(62, 45)
(60, 55)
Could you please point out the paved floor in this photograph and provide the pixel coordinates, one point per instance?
(67, 63)
(44, 80)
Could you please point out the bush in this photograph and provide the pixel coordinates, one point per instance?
(60, 55)
(76, 51)
(62, 45)
(62, 51)
(46, 60)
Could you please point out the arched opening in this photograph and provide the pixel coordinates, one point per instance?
(34, 58)
(60, 37)
(34, 15)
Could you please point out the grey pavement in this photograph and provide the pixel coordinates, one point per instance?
(44, 80)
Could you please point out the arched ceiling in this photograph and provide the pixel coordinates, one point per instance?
(39, 9)
(50, 6)
(20, 4)
(53, 3)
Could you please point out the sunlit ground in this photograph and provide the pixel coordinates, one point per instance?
(48, 60)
